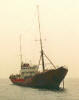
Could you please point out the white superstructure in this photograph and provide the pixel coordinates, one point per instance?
(27, 70)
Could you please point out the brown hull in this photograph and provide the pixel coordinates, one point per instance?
(48, 79)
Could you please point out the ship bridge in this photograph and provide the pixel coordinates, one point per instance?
(27, 70)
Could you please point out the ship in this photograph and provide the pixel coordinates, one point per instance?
(29, 76)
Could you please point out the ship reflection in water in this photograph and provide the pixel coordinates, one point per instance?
(9, 91)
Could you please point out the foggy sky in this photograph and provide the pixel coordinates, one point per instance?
(59, 21)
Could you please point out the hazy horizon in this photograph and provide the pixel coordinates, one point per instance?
(59, 21)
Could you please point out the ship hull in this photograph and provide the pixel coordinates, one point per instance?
(50, 79)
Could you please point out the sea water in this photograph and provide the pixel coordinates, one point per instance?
(8, 91)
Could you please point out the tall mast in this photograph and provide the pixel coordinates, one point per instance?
(21, 49)
(42, 53)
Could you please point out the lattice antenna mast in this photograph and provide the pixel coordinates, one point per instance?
(21, 49)
(42, 53)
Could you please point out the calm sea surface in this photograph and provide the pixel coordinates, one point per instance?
(8, 91)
